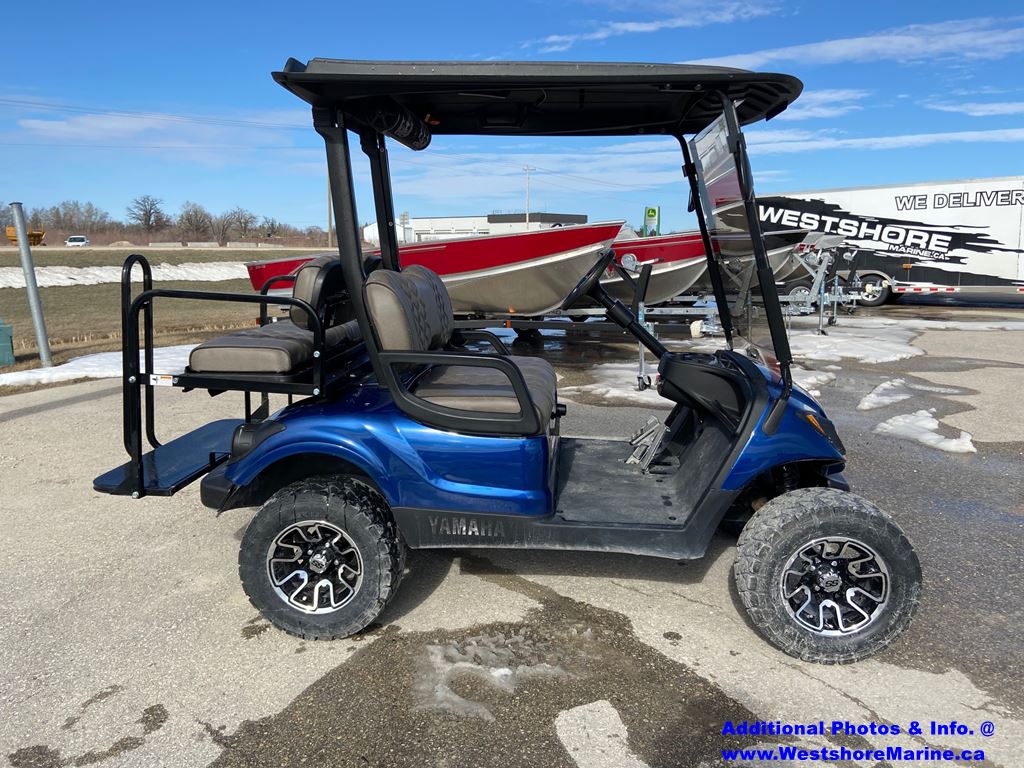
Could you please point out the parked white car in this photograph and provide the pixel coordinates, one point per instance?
(77, 241)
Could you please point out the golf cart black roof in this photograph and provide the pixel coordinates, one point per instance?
(543, 98)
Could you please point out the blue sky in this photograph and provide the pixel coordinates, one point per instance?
(106, 102)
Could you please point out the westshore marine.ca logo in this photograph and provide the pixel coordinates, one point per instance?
(938, 242)
(790, 753)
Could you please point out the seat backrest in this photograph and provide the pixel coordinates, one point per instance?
(410, 310)
(318, 282)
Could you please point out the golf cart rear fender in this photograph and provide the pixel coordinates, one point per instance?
(796, 440)
(262, 460)
(413, 466)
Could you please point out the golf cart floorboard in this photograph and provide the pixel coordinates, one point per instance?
(595, 485)
(172, 466)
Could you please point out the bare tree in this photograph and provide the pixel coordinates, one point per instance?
(316, 235)
(145, 212)
(245, 222)
(270, 227)
(222, 226)
(193, 221)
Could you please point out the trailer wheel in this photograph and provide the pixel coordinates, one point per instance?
(322, 557)
(826, 576)
(874, 292)
(798, 292)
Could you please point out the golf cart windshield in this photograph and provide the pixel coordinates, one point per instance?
(737, 255)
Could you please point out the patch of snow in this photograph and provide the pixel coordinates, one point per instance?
(49, 277)
(595, 736)
(897, 390)
(617, 381)
(811, 380)
(104, 365)
(499, 661)
(886, 393)
(873, 347)
(833, 368)
(921, 426)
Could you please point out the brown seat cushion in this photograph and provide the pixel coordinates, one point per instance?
(487, 390)
(276, 348)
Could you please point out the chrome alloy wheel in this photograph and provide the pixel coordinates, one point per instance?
(834, 586)
(314, 567)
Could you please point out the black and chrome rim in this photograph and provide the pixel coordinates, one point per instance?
(834, 586)
(314, 567)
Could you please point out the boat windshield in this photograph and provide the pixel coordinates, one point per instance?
(737, 247)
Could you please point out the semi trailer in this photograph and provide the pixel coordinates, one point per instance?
(953, 237)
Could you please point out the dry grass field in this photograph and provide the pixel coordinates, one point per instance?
(84, 319)
(45, 256)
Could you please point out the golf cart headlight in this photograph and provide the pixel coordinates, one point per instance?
(826, 429)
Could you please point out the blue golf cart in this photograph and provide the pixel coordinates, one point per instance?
(400, 433)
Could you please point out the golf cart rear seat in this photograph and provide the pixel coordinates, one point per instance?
(287, 346)
(411, 312)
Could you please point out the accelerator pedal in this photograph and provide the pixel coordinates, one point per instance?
(647, 443)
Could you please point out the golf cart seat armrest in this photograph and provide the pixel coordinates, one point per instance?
(475, 335)
(525, 422)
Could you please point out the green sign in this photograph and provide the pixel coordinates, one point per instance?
(652, 221)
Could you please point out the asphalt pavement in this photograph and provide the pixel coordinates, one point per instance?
(126, 639)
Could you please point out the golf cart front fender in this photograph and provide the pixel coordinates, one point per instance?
(804, 434)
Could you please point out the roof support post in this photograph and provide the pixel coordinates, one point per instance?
(765, 278)
(374, 147)
(330, 124)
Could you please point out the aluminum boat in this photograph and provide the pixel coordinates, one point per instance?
(526, 273)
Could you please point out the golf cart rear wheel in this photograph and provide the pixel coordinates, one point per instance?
(826, 576)
(322, 557)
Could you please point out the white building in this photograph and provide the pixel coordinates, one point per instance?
(418, 230)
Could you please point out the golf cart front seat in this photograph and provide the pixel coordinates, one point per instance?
(411, 312)
(287, 346)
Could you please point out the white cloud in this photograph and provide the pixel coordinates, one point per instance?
(768, 145)
(982, 109)
(980, 38)
(832, 102)
(90, 128)
(214, 140)
(682, 14)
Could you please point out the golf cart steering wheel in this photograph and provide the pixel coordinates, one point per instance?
(589, 280)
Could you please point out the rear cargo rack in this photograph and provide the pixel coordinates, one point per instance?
(166, 469)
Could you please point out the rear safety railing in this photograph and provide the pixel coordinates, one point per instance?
(137, 380)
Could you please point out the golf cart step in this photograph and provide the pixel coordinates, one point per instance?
(169, 468)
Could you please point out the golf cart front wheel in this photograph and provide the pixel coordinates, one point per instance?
(826, 576)
(322, 557)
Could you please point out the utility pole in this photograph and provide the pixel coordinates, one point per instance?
(529, 169)
(35, 306)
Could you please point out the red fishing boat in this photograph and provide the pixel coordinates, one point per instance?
(677, 263)
(527, 273)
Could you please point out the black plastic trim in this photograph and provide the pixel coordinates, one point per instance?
(524, 423)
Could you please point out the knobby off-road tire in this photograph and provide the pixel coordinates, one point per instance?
(814, 544)
(337, 535)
